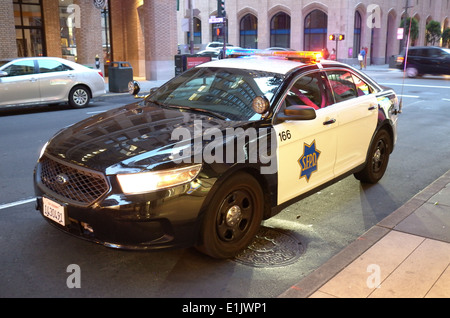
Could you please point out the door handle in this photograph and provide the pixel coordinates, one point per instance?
(329, 122)
(373, 107)
(33, 80)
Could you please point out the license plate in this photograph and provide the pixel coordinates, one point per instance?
(54, 211)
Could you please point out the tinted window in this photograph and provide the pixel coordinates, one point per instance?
(308, 90)
(48, 66)
(342, 85)
(20, 68)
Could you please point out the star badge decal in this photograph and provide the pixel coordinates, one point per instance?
(309, 161)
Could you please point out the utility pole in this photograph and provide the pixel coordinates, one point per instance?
(191, 27)
(405, 23)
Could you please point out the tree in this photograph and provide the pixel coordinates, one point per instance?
(446, 37)
(433, 32)
(414, 28)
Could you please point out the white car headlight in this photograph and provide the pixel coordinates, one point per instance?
(143, 182)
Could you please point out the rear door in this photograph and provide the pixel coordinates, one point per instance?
(357, 109)
(21, 85)
(55, 80)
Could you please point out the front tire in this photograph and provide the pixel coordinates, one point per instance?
(79, 97)
(377, 160)
(232, 218)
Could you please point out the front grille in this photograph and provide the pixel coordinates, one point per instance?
(77, 184)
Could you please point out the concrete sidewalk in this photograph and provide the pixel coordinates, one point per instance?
(406, 255)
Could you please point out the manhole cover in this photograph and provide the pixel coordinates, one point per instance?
(271, 248)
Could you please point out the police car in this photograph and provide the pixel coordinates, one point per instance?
(202, 160)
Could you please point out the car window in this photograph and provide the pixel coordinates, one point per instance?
(308, 90)
(49, 66)
(362, 88)
(20, 68)
(343, 85)
(228, 92)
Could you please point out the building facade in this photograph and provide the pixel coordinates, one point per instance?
(149, 33)
(306, 24)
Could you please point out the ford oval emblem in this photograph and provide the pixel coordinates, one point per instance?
(62, 179)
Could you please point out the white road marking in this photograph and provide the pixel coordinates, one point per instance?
(21, 202)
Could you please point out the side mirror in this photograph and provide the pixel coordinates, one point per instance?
(3, 74)
(134, 88)
(297, 112)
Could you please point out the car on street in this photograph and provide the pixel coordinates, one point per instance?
(213, 54)
(423, 60)
(203, 159)
(48, 80)
(216, 46)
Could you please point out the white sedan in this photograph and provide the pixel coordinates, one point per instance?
(48, 80)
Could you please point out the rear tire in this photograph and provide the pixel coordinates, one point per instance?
(412, 72)
(79, 97)
(377, 159)
(232, 218)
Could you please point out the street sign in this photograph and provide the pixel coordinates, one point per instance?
(400, 32)
(215, 20)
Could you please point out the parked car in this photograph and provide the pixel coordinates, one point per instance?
(48, 80)
(423, 60)
(202, 160)
(216, 45)
(213, 54)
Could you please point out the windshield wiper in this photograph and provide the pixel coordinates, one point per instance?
(194, 109)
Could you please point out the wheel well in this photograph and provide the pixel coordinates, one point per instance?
(390, 131)
(256, 174)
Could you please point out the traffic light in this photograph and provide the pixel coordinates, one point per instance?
(336, 37)
(221, 8)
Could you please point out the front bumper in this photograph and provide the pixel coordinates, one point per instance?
(162, 219)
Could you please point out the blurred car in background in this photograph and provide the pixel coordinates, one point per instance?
(48, 80)
(425, 60)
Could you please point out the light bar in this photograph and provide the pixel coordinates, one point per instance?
(304, 56)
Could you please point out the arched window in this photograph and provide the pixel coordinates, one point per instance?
(357, 35)
(316, 28)
(280, 30)
(249, 32)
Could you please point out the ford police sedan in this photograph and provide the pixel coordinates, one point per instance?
(202, 160)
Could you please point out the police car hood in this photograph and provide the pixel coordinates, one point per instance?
(132, 138)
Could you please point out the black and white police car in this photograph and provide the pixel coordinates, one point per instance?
(202, 160)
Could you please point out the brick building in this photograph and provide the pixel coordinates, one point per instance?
(148, 33)
(142, 32)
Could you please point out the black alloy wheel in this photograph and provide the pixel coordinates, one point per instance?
(377, 160)
(233, 217)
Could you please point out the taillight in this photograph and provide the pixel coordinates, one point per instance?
(101, 74)
(400, 59)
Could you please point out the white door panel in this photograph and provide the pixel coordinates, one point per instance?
(306, 154)
(357, 121)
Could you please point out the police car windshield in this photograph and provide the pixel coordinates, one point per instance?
(228, 92)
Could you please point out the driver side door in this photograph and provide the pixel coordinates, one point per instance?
(306, 149)
(21, 86)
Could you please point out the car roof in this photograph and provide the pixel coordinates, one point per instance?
(267, 64)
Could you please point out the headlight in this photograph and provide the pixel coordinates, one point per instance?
(143, 182)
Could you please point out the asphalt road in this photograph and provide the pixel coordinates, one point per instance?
(35, 258)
